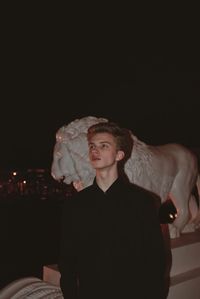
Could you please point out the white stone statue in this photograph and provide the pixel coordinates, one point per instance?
(170, 170)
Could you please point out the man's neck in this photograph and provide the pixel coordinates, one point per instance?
(105, 179)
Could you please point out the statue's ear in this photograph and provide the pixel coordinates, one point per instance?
(120, 155)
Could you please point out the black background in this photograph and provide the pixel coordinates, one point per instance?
(54, 72)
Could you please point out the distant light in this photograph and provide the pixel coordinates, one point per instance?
(24, 182)
(14, 173)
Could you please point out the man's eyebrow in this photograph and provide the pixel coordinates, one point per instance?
(108, 142)
(105, 142)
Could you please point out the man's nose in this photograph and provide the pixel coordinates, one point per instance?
(95, 150)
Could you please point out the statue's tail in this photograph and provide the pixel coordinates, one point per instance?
(195, 193)
(198, 190)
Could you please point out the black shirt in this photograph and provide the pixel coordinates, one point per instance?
(112, 245)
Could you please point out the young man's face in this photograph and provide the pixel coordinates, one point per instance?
(103, 151)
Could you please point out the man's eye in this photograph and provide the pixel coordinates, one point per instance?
(104, 145)
(92, 147)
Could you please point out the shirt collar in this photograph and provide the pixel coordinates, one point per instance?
(116, 186)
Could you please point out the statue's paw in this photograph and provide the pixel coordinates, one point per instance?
(197, 226)
(174, 232)
(189, 228)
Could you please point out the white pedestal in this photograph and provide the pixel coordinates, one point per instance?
(185, 271)
(51, 274)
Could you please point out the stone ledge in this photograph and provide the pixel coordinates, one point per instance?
(51, 274)
(180, 278)
(186, 239)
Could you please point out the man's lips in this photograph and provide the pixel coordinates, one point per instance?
(95, 159)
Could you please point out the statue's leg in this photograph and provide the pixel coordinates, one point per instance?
(180, 197)
(193, 211)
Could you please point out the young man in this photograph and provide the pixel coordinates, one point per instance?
(112, 245)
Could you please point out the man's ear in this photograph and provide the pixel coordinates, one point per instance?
(120, 155)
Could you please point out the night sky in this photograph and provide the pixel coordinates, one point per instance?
(46, 85)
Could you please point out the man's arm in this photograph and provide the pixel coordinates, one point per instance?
(154, 254)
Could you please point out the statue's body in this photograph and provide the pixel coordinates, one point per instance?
(170, 170)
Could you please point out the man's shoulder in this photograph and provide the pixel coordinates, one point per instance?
(138, 189)
(144, 195)
(78, 197)
(84, 192)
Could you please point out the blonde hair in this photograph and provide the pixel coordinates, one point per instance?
(122, 136)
